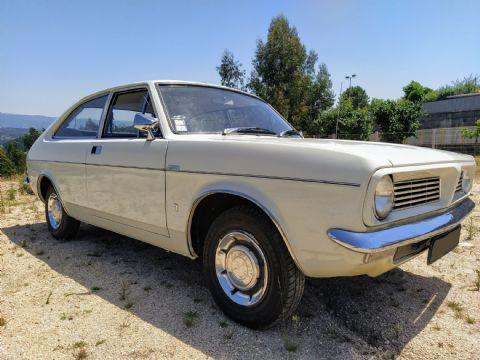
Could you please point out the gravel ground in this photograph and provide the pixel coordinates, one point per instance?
(105, 296)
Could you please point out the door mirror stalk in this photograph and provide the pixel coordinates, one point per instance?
(145, 123)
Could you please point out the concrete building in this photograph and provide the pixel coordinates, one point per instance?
(441, 124)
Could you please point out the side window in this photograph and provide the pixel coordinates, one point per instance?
(122, 113)
(84, 120)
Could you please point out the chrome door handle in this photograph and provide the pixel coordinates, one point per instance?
(96, 150)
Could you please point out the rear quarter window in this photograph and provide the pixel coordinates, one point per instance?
(84, 121)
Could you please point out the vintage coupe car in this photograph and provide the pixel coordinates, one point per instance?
(216, 173)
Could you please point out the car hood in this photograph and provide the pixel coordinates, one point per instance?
(309, 159)
(395, 154)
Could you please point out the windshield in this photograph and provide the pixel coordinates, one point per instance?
(201, 109)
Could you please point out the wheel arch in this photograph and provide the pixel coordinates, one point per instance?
(232, 198)
(44, 181)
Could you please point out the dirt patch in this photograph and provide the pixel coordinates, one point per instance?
(105, 296)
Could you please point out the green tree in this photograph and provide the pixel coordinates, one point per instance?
(469, 84)
(473, 133)
(414, 91)
(282, 72)
(230, 71)
(322, 96)
(16, 155)
(397, 120)
(29, 138)
(6, 166)
(357, 95)
(355, 124)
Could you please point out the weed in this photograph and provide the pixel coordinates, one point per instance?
(289, 343)
(20, 254)
(95, 254)
(79, 344)
(128, 306)
(39, 252)
(189, 318)
(48, 298)
(96, 288)
(100, 342)
(471, 228)
(397, 329)
(436, 327)
(3, 208)
(469, 320)
(3, 322)
(223, 324)
(476, 283)
(124, 291)
(11, 194)
(66, 317)
(125, 323)
(455, 306)
(23, 243)
(228, 335)
(166, 284)
(24, 188)
(147, 288)
(82, 354)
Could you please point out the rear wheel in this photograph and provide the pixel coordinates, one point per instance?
(249, 270)
(60, 225)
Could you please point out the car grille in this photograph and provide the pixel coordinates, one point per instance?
(410, 193)
(459, 184)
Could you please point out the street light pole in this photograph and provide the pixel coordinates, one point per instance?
(350, 77)
(338, 115)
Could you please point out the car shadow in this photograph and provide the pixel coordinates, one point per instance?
(338, 317)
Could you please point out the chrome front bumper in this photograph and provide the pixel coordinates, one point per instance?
(389, 238)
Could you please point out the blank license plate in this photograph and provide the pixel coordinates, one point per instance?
(443, 245)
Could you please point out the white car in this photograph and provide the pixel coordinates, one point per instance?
(216, 173)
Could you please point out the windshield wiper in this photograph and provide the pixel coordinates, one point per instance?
(248, 130)
(291, 132)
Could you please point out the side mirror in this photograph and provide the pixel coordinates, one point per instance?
(146, 124)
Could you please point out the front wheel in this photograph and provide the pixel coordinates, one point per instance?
(60, 225)
(249, 270)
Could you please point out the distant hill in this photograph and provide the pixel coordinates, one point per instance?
(25, 121)
(7, 134)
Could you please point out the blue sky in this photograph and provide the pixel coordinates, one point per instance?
(54, 52)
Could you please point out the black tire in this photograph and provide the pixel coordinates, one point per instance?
(68, 226)
(285, 284)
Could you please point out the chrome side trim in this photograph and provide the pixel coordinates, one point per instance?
(249, 198)
(173, 168)
(380, 240)
(106, 165)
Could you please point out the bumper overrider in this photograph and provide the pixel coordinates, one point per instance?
(371, 242)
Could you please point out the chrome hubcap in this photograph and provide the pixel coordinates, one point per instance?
(54, 207)
(241, 268)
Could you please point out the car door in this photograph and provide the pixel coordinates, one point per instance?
(125, 173)
(67, 148)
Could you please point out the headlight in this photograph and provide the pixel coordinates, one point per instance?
(466, 183)
(384, 197)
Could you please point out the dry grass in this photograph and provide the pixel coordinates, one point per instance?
(477, 177)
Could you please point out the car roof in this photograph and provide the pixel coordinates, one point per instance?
(169, 82)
